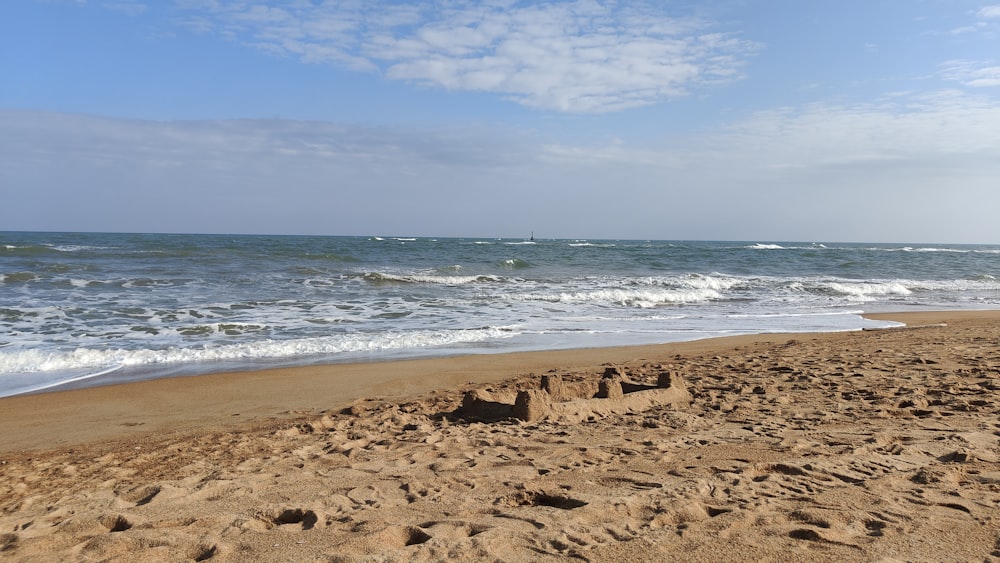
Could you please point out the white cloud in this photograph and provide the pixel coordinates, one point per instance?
(984, 23)
(979, 26)
(581, 56)
(915, 130)
(975, 74)
(902, 131)
(989, 11)
(909, 168)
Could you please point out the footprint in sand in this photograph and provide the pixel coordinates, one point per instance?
(297, 517)
(140, 495)
(115, 523)
(453, 529)
(377, 537)
(538, 498)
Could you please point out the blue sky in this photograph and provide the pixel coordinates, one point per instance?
(725, 119)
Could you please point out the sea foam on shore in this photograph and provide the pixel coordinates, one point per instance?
(92, 308)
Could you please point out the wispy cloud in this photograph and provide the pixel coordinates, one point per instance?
(975, 74)
(909, 157)
(984, 22)
(911, 131)
(989, 11)
(902, 134)
(581, 56)
(906, 127)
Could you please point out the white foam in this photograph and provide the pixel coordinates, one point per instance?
(34, 388)
(867, 291)
(630, 297)
(423, 278)
(222, 308)
(769, 315)
(30, 361)
(74, 247)
(930, 249)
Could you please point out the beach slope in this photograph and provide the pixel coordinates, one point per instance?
(859, 446)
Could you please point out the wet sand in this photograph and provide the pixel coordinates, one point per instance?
(861, 446)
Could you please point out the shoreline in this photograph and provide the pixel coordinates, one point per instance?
(186, 403)
(877, 445)
(122, 374)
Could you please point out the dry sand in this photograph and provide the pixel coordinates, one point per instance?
(863, 446)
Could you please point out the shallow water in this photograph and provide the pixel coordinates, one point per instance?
(93, 307)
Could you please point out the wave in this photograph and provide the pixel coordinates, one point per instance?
(76, 247)
(780, 315)
(27, 250)
(629, 297)
(872, 290)
(856, 291)
(57, 381)
(49, 248)
(919, 249)
(18, 277)
(962, 249)
(33, 361)
(716, 282)
(955, 250)
(381, 277)
(592, 245)
(124, 283)
(852, 248)
(772, 246)
(515, 263)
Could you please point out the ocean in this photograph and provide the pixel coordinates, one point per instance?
(80, 309)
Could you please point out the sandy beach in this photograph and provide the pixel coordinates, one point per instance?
(879, 445)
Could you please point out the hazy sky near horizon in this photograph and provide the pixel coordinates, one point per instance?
(763, 120)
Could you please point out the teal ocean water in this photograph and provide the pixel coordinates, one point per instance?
(81, 309)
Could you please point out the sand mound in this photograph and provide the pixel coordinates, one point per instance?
(590, 399)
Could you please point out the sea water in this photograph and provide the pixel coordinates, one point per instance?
(83, 308)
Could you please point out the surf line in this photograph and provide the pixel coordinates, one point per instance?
(50, 385)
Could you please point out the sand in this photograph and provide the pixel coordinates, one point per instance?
(864, 446)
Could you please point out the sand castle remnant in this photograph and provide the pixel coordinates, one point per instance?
(558, 400)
